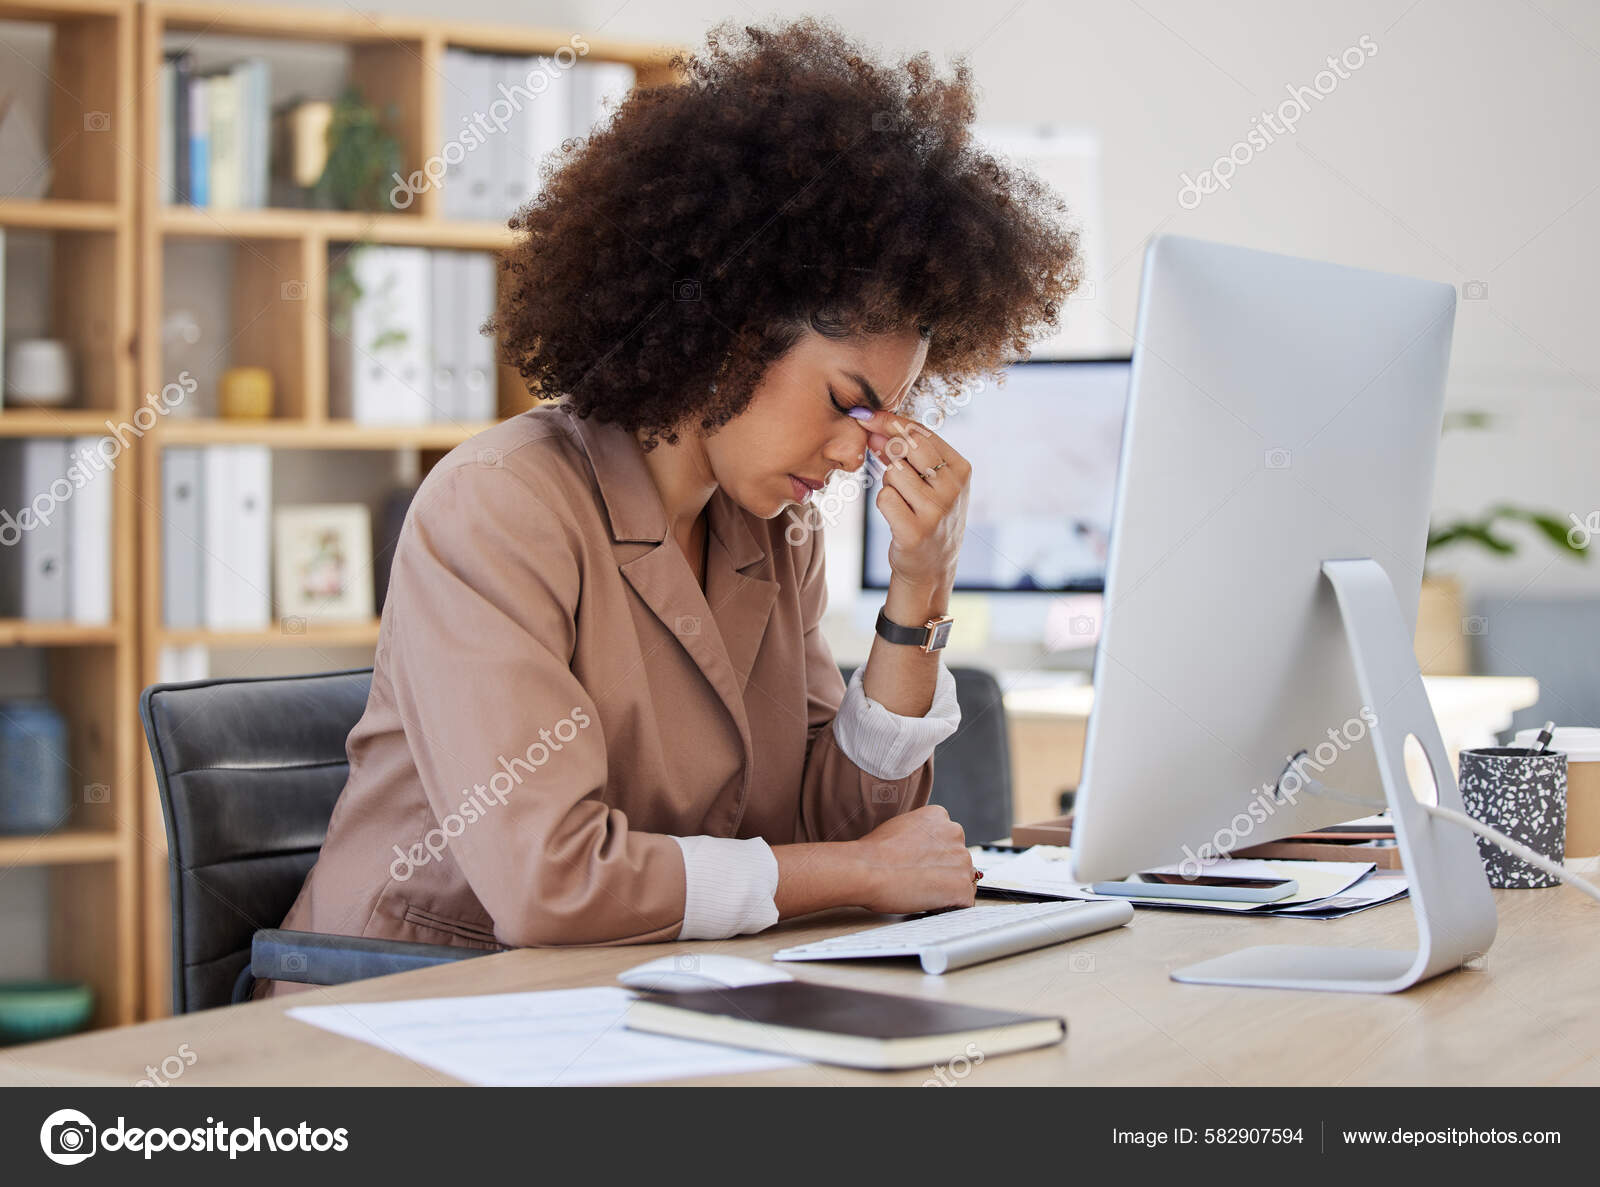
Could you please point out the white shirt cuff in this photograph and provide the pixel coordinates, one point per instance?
(887, 745)
(729, 886)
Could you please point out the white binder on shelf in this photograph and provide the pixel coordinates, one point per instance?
(33, 561)
(549, 122)
(509, 153)
(178, 665)
(455, 98)
(475, 295)
(182, 538)
(594, 84)
(381, 369)
(444, 339)
(478, 168)
(237, 513)
(89, 544)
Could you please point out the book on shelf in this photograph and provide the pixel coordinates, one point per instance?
(55, 531)
(405, 347)
(215, 133)
(199, 143)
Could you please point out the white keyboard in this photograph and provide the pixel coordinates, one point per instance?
(955, 939)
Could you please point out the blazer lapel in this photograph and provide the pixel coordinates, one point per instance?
(739, 585)
(740, 591)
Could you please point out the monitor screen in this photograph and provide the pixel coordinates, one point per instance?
(1044, 449)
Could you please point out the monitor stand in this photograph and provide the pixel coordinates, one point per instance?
(1449, 893)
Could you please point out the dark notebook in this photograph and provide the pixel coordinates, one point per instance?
(847, 1026)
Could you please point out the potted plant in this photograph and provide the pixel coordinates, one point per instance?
(1442, 623)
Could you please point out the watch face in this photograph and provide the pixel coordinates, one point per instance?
(940, 634)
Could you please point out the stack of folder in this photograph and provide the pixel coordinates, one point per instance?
(55, 529)
(216, 511)
(408, 349)
(541, 101)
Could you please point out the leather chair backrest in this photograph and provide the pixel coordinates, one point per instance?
(248, 772)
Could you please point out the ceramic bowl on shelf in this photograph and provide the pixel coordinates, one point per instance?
(31, 1011)
(39, 373)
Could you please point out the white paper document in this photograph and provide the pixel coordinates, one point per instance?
(554, 1037)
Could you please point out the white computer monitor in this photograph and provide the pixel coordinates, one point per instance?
(1026, 534)
(1267, 541)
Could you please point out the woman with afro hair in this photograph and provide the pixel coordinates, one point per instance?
(602, 710)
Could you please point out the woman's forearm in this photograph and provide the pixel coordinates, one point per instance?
(914, 862)
(816, 876)
(902, 678)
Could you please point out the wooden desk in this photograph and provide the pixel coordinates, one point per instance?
(1528, 1017)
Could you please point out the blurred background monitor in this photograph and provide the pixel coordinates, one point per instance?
(1043, 447)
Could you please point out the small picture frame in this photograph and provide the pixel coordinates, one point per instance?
(323, 562)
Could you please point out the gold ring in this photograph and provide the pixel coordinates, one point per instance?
(929, 474)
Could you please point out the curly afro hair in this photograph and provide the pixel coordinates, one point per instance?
(789, 181)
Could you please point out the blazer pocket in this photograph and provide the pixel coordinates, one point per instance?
(475, 935)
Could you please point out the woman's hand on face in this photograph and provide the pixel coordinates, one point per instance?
(917, 862)
(924, 498)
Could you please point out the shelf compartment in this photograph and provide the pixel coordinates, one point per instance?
(242, 303)
(88, 129)
(75, 281)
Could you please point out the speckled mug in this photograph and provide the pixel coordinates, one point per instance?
(1522, 794)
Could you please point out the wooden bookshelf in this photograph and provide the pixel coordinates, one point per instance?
(90, 671)
(394, 60)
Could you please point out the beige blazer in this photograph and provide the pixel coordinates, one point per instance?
(554, 698)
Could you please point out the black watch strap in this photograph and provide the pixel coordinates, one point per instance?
(930, 637)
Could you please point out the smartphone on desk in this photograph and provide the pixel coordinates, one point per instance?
(1206, 886)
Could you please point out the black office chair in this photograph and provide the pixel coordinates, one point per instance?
(972, 767)
(248, 772)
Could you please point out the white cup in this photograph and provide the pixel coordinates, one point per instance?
(1582, 746)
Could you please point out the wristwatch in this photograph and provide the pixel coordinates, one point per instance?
(930, 636)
